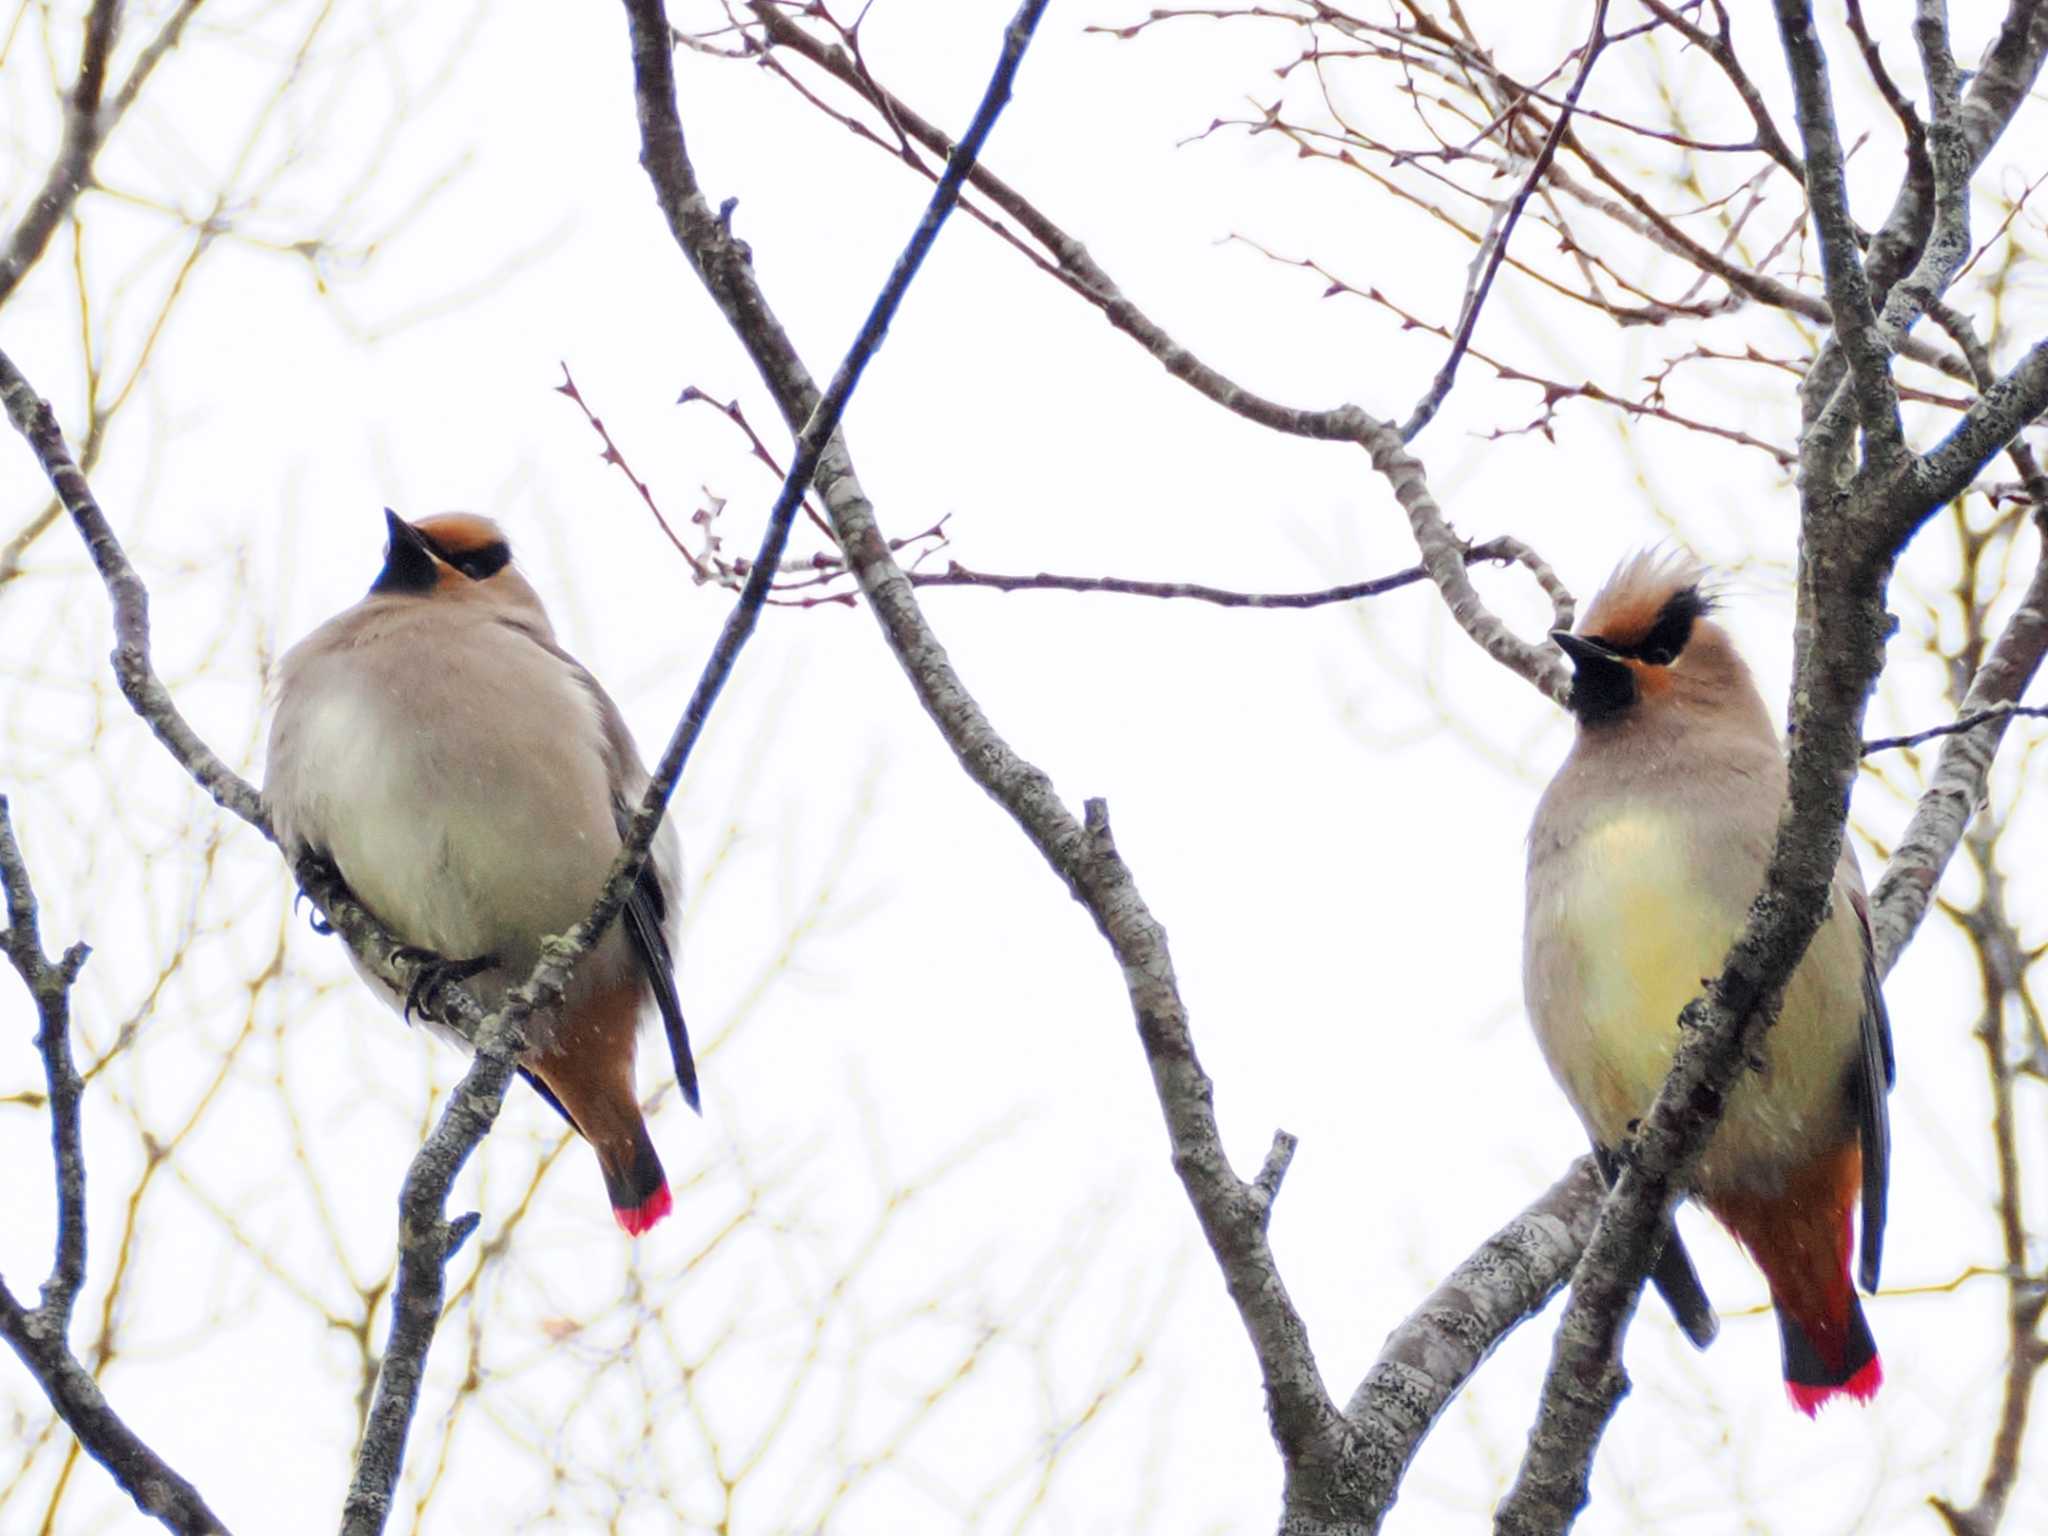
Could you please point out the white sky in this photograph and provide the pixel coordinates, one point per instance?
(1338, 866)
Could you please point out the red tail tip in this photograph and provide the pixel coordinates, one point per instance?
(1810, 1400)
(638, 1218)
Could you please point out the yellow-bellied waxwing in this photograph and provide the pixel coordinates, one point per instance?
(470, 782)
(1646, 853)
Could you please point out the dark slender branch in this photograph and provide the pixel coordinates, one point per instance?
(40, 1335)
(1229, 1209)
(34, 419)
(427, 1242)
(1435, 540)
(1888, 88)
(1487, 264)
(1968, 722)
(612, 456)
(70, 172)
(88, 120)
(957, 575)
(1721, 50)
(168, 36)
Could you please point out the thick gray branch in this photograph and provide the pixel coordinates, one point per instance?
(1231, 1211)
(1428, 1359)
(1848, 289)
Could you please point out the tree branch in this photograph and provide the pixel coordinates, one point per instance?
(40, 1335)
(1487, 263)
(1427, 1360)
(1502, 550)
(1968, 722)
(1848, 289)
(1899, 901)
(427, 1242)
(70, 172)
(1851, 532)
(1230, 1210)
(1945, 471)
(1436, 541)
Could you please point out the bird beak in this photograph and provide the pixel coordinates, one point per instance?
(1580, 649)
(399, 534)
(410, 563)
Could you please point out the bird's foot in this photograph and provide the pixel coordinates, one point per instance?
(318, 866)
(433, 975)
(314, 920)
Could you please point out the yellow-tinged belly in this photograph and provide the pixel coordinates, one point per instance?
(1624, 932)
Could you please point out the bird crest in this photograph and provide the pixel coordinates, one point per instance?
(1653, 588)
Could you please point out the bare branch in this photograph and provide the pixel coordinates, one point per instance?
(40, 1335)
(1899, 901)
(1968, 722)
(1435, 540)
(1945, 471)
(70, 172)
(1487, 263)
(2008, 1009)
(1848, 289)
(37, 422)
(1851, 532)
(1501, 550)
(426, 1240)
(1232, 1216)
(611, 455)
(1428, 1359)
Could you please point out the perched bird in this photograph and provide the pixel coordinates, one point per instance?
(470, 782)
(1646, 852)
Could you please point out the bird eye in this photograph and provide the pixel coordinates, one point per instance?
(1667, 637)
(481, 564)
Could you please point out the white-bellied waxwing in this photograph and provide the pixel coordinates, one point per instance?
(1645, 856)
(470, 781)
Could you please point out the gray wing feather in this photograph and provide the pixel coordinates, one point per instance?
(1673, 1275)
(646, 917)
(1875, 1072)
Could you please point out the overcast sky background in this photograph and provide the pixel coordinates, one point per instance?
(1326, 809)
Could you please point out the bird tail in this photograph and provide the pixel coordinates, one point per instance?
(1800, 1239)
(634, 1180)
(1813, 1379)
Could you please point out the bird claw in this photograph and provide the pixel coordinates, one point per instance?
(327, 868)
(314, 920)
(433, 975)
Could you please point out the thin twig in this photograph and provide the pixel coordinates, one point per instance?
(611, 455)
(1435, 539)
(957, 575)
(1306, 1423)
(1475, 299)
(1968, 722)
(417, 1298)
